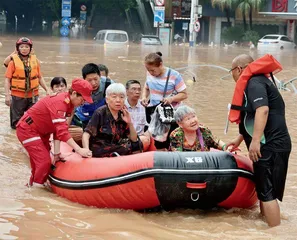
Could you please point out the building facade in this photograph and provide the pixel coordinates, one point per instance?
(212, 22)
(285, 12)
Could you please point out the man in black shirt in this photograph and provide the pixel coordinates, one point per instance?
(264, 130)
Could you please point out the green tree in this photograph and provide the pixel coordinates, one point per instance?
(225, 5)
(119, 6)
(246, 7)
(252, 36)
(50, 9)
(255, 6)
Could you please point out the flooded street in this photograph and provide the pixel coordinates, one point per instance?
(39, 214)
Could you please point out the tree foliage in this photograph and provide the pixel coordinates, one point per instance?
(252, 36)
(50, 10)
(246, 7)
(232, 34)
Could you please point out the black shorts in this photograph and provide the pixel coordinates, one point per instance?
(270, 175)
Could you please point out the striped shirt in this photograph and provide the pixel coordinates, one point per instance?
(138, 116)
(156, 85)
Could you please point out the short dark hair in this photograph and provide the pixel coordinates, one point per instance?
(154, 59)
(58, 80)
(89, 69)
(130, 82)
(102, 67)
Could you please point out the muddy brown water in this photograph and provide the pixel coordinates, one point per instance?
(40, 214)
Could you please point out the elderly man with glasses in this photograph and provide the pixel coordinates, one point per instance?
(137, 111)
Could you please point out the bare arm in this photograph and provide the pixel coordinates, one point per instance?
(133, 133)
(234, 143)
(69, 119)
(145, 96)
(127, 118)
(180, 96)
(7, 85)
(43, 85)
(260, 122)
(146, 93)
(176, 98)
(56, 147)
(8, 58)
(221, 144)
(73, 144)
(86, 139)
(85, 152)
(261, 117)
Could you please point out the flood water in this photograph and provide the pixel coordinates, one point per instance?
(40, 214)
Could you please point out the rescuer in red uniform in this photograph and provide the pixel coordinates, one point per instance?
(46, 117)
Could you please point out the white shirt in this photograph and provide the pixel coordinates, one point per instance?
(138, 116)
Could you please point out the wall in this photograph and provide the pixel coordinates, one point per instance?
(215, 29)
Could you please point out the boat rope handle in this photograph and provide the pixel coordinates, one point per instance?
(195, 196)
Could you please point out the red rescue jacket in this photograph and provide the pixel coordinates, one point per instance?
(265, 65)
(49, 116)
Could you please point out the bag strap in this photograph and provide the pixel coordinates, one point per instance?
(273, 80)
(166, 85)
(107, 83)
(200, 138)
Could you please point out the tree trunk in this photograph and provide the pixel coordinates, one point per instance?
(244, 21)
(251, 18)
(227, 11)
(129, 19)
(55, 7)
(92, 15)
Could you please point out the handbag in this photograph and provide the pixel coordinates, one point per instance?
(166, 111)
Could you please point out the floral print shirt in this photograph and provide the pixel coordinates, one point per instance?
(178, 141)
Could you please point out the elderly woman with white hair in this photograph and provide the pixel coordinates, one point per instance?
(191, 135)
(110, 129)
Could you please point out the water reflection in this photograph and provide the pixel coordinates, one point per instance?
(11, 212)
(115, 51)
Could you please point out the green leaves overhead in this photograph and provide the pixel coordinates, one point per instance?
(246, 7)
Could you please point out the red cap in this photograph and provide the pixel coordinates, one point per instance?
(84, 88)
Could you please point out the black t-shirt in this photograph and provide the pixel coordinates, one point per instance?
(259, 92)
(103, 128)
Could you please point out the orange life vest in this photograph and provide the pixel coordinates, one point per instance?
(264, 65)
(19, 85)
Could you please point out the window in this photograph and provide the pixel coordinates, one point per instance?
(151, 40)
(116, 37)
(102, 35)
(286, 39)
(271, 37)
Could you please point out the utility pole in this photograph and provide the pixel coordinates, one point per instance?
(193, 19)
(16, 24)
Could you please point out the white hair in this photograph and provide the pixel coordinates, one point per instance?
(182, 111)
(116, 88)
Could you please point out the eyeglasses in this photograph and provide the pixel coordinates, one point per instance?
(231, 70)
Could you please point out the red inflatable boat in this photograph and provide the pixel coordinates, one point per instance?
(156, 179)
